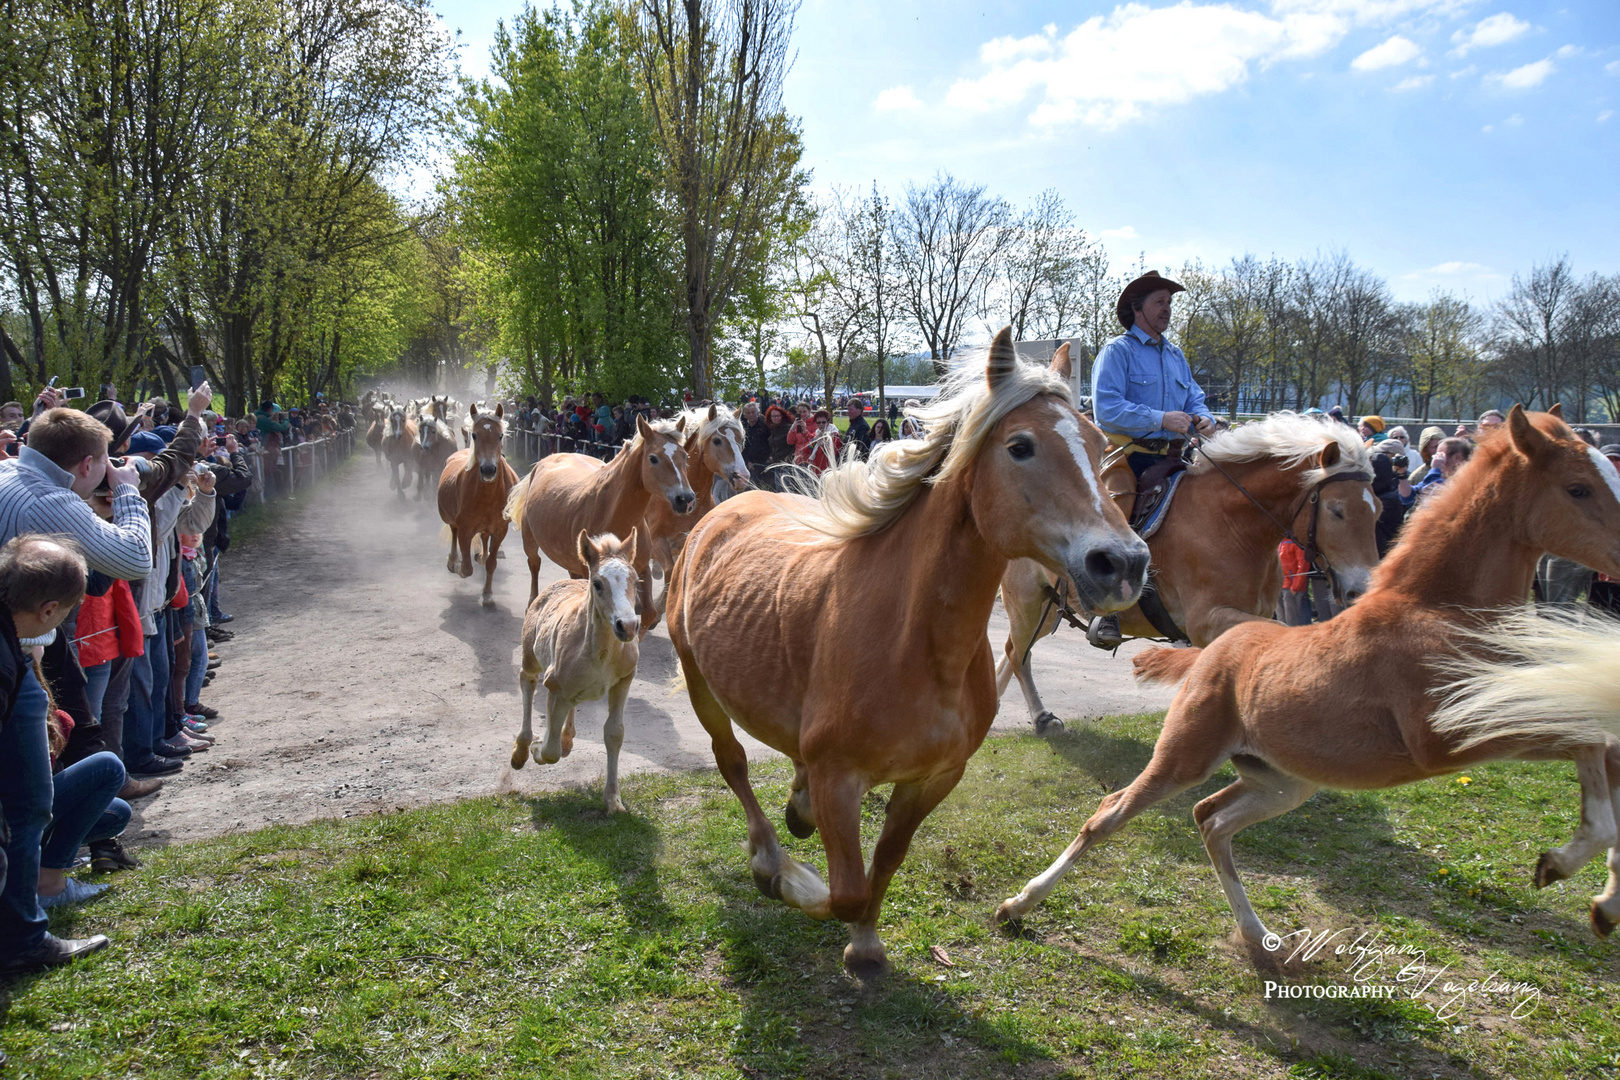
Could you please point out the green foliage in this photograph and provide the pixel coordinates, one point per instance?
(573, 245)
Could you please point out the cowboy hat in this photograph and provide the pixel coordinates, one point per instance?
(112, 415)
(1145, 285)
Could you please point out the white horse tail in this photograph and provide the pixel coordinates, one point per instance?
(1545, 675)
(515, 500)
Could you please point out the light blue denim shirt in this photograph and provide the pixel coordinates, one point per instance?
(1136, 380)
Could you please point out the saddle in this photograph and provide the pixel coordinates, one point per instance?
(1155, 488)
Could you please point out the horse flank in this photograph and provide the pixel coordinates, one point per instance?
(858, 498)
(1292, 438)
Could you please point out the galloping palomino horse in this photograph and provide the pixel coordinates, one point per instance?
(435, 442)
(580, 641)
(1350, 703)
(472, 498)
(715, 470)
(1215, 557)
(398, 442)
(870, 608)
(377, 429)
(567, 494)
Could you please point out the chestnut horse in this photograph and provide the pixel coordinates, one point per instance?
(714, 468)
(1350, 703)
(472, 498)
(1312, 479)
(398, 445)
(870, 608)
(580, 642)
(567, 494)
(377, 429)
(435, 442)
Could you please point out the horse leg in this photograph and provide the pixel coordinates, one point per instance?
(613, 738)
(558, 708)
(527, 680)
(466, 540)
(1597, 829)
(865, 956)
(799, 814)
(776, 873)
(1027, 627)
(1183, 757)
(650, 611)
(455, 549)
(492, 547)
(531, 548)
(1606, 905)
(568, 733)
(1259, 794)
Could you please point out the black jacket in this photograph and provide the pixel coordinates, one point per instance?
(757, 442)
(232, 479)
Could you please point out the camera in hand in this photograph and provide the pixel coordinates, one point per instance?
(142, 466)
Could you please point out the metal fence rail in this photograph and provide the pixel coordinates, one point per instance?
(294, 467)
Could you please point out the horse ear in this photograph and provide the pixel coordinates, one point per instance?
(499, 410)
(1329, 456)
(644, 429)
(1526, 439)
(680, 425)
(472, 410)
(586, 550)
(1003, 359)
(714, 411)
(1557, 410)
(629, 548)
(1062, 366)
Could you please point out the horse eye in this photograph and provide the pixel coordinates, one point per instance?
(1579, 491)
(1337, 512)
(597, 585)
(652, 459)
(1021, 449)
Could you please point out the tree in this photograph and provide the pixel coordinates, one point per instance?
(1530, 325)
(828, 293)
(713, 72)
(874, 265)
(1035, 282)
(1442, 354)
(948, 238)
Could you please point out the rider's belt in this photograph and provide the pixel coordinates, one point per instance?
(1132, 445)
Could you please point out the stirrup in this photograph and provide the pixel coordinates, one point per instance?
(1104, 632)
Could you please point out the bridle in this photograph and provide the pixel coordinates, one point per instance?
(1311, 498)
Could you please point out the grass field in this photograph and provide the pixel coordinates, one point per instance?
(536, 937)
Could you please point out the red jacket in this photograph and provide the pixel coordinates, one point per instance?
(109, 627)
(1294, 566)
(808, 451)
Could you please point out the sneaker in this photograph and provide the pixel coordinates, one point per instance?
(73, 892)
(223, 619)
(156, 766)
(194, 724)
(197, 736)
(193, 743)
(174, 748)
(108, 856)
(207, 712)
(212, 655)
(52, 952)
(213, 664)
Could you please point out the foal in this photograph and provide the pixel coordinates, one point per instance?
(1350, 703)
(579, 639)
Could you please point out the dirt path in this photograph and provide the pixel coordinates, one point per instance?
(364, 677)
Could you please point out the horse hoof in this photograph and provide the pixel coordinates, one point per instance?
(615, 806)
(546, 759)
(1007, 913)
(796, 824)
(465, 571)
(1546, 873)
(1602, 925)
(487, 601)
(769, 885)
(1047, 724)
(865, 967)
(520, 755)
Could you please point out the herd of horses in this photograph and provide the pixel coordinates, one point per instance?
(867, 593)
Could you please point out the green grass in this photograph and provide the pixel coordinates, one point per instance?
(536, 937)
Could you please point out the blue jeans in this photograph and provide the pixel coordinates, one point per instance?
(96, 677)
(214, 613)
(84, 807)
(199, 665)
(146, 719)
(26, 794)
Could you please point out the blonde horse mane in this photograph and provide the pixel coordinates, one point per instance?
(472, 459)
(1543, 672)
(858, 498)
(1294, 440)
(724, 420)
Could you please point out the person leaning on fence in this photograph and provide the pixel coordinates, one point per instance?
(41, 580)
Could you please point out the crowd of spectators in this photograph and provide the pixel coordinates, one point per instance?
(113, 523)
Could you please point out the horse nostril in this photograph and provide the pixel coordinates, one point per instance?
(1104, 566)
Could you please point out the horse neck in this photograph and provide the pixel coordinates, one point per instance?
(950, 572)
(701, 477)
(620, 488)
(1275, 489)
(1466, 551)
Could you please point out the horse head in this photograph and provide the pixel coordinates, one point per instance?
(488, 429)
(610, 565)
(1338, 521)
(1567, 497)
(663, 464)
(396, 421)
(1035, 482)
(718, 439)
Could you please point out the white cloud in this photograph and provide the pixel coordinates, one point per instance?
(1603, 117)
(1416, 82)
(1392, 53)
(1497, 30)
(1566, 51)
(1523, 78)
(1613, 67)
(1369, 11)
(1451, 269)
(1465, 72)
(1514, 121)
(896, 99)
(1127, 232)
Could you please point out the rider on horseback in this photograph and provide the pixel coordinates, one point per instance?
(1146, 401)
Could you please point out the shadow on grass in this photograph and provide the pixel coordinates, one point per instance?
(804, 1015)
(1344, 841)
(626, 847)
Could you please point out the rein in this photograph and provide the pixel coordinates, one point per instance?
(1059, 599)
(1317, 560)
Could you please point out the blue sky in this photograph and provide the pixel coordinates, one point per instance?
(1443, 143)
